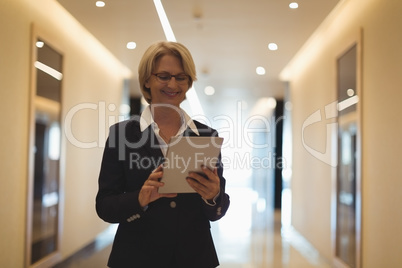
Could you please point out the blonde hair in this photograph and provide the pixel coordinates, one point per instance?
(156, 51)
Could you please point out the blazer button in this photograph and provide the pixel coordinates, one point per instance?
(219, 211)
(173, 204)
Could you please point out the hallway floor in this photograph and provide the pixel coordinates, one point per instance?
(266, 244)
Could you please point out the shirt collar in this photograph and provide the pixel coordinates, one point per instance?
(147, 119)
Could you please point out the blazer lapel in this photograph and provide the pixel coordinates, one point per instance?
(146, 140)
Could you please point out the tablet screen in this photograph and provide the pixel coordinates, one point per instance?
(187, 154)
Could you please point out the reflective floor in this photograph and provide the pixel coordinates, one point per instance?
(253, 235)
(270, 247)
(241, 241)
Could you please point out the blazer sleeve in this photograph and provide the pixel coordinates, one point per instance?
(218, 210)
(113, 203)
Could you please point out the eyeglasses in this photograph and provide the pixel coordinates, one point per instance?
(165, 78)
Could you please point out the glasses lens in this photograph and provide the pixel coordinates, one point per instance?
(164, 78)
(181, 78)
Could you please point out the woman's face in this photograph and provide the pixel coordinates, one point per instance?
(172, 91)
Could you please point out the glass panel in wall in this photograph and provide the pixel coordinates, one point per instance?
(347, 169)
(45, 185)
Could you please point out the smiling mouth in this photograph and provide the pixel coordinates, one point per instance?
(171, 94)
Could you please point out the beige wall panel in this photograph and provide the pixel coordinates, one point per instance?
(91, 75)
(313, 85)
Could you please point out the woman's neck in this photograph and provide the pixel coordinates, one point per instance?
(167, 116)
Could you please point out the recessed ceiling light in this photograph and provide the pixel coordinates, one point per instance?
(260, 70)
(100, 3)
(131, 45)
(209, 91)
(293, 5)
(272, 46)
(350, 92)
(40, 44)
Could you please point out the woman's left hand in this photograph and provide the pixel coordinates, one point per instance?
(208, 187)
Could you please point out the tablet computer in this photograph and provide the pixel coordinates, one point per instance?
(186, 154)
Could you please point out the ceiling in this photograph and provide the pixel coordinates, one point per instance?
(227, 38)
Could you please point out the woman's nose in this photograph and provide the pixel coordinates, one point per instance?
(172, 82)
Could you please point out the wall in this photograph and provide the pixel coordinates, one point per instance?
(312, 76)
(91, 75)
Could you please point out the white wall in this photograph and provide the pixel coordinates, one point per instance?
(312, 76)
(91, 75)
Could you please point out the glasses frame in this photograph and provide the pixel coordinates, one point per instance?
(170, 78)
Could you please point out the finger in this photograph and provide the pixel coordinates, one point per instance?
(198, 187)
(154, 184)
(155, 176)
(167, 195)
(212, 175)
(197, 178)
(159, 168)
(147, 189)
(206, 187)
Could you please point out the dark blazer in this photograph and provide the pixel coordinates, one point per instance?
(171, 232)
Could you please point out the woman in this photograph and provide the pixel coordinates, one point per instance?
(159, 230)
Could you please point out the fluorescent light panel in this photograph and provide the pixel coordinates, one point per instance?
(167, 29)
(347, 103)
(164, 21)
(49, 70)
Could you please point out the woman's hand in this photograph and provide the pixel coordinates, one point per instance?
(149, 191)
(209, 187)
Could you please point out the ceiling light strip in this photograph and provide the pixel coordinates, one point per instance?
(49, 70)
(167, 29)
(194, 102)
(347, 103)
(164, 21)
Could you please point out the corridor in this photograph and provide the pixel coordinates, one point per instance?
(256, 240)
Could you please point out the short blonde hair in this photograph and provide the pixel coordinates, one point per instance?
(156, 51)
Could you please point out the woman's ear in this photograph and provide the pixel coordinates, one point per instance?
(147, 84)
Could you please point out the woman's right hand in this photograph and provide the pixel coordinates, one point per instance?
(149, 191)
